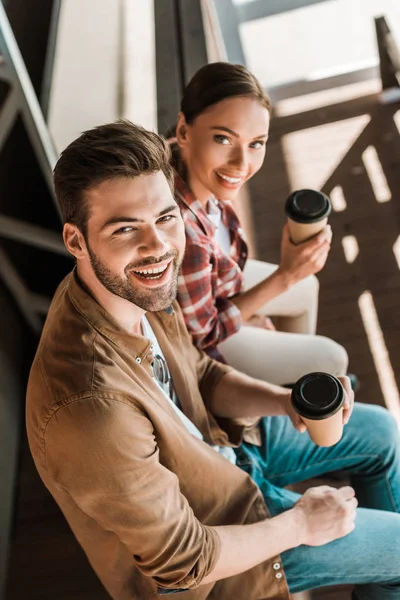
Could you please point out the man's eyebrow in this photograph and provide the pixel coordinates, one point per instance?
(168, 209)
(236, 134)
(122, 219)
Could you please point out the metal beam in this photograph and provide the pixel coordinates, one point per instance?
(389, 55)
(33, 235)
(8, 115)
(168, 63)
(228, 19)
(193, 43)
(18, 289)
(259, 9)
(28, 103)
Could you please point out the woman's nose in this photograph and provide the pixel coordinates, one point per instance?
(239, 159)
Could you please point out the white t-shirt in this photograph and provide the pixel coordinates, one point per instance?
(222, 235)
(226, 451)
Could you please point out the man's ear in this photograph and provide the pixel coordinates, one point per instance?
(181, 130)
(74, 241)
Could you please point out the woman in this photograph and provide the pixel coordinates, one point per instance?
(221, 137)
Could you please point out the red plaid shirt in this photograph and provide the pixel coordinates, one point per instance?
(208, 277)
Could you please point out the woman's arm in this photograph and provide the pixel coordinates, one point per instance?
(209, 319)
(297, 262)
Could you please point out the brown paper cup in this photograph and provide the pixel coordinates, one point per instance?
(301, 232)
(325, 432)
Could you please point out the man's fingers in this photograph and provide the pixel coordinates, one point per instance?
(300, 426)
(345, 381)
(347, 492)
(353, 503)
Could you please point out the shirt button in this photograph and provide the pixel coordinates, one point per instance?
(152, 348)
(138, 360)
(277, 566)
(278, 575)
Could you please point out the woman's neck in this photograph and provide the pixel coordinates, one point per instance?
(202, 194)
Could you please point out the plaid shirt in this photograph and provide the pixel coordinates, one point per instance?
(208, 277)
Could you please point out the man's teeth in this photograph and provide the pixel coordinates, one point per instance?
(151, 271)
(229, 179)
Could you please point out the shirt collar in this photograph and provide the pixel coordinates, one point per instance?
(102, 321)
(187, 198)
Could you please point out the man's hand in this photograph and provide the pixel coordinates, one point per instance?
(300, 261)
(348, 399)
(296, 419)
(348, 406)
(324, 514)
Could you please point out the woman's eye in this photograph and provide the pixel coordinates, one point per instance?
(222, 139)
(257, 145)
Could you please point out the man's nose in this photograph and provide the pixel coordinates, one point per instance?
(153, 242)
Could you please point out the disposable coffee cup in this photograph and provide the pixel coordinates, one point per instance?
(318, 398)
(307, 212)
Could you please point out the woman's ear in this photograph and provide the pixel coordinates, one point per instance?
(74, 241)
(181, 130)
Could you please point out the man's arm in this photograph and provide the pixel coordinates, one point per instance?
(108, 461)
(237, 395)
(322, 515)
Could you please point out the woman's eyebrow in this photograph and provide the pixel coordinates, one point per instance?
(257, 137)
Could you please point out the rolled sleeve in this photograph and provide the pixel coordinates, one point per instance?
(108, 461)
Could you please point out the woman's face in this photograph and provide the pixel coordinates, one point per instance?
(224, 146)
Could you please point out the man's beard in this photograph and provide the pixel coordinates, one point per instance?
(152, 299)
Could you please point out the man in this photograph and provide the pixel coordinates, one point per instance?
(136, 435)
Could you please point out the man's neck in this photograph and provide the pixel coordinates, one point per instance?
(125, 313)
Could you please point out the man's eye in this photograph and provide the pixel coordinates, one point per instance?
(123, 230)
(257, 145)
(222, 139)
(166, 218)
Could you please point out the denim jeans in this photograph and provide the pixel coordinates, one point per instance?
(369, 452)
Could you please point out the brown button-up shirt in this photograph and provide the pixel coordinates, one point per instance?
(140, 493)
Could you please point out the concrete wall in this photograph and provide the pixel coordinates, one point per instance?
(104, 66)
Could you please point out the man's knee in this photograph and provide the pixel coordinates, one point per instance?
(378, 430)
(385, 428)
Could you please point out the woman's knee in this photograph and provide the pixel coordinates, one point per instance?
(331, 356)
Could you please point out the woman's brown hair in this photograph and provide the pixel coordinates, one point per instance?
(216, 82)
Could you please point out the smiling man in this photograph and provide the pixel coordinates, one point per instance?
(135, 432)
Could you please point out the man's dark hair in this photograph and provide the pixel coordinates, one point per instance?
(119, 149)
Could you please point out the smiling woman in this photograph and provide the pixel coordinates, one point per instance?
(220, 144)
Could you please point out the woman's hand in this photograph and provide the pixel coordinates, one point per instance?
(300, 261)
(262, 322)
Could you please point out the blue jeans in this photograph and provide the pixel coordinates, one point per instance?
(369, 452)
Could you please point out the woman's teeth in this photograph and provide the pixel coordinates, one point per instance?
(229, 179)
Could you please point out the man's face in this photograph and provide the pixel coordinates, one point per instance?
(135, 239)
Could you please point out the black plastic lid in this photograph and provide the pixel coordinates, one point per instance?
(307, 206)
(317, 396)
